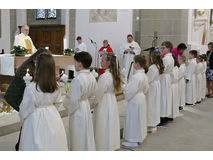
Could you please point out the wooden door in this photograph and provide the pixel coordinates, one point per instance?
(48, 35)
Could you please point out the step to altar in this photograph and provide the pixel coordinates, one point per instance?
(10, 122)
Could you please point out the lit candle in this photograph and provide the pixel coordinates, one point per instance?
(62, 73)
(27, 74)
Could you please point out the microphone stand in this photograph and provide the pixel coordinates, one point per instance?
(129, 70)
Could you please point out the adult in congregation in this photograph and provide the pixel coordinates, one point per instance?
(179, 51)
(209, 71)
(15, 91)
(24, 40)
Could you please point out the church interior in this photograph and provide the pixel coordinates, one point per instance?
(59, 30)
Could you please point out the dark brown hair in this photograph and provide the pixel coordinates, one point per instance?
(85, 58)
(200, 57)
(114, 68)
(181, 46)
(204, 57)
(194, 53)
(168, 44)
(45, 76)
(31, 61)
(141, 60)
(157, 60)
(129, 35)
(210, 44)
(79, 38)
(175, 60)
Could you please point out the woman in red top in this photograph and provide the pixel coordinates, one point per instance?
(103, 50)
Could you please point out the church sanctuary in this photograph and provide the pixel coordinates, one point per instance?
(106, 79)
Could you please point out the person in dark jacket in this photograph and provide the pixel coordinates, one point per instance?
(209, 71)
(15, 91)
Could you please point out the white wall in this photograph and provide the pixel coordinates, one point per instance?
(5, 30)
(114, 32)
(21, 16)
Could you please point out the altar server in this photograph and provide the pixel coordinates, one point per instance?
(106, 114)
(199, 70)
(83, 86)
(42, 126)
(182, 82)
(175, 95)
(81, 46)
(204, 75)
(128, 50)
(166, 88)
(24, 40)
(135, 129)
(154, 93)
(191, 97)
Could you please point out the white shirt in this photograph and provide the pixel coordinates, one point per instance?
(81, 47)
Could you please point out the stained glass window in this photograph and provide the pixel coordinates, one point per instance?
(51, 13)
(40, 14)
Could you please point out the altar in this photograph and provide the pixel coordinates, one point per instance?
(9, 63)
(60, 60)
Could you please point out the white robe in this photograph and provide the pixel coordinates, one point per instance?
(42, 128)
(199, 82)
(81, 47)
(182, 85)
(175, 96)
(82, 87)
(136, 111)
(166, 88)
(128, 58)
(191, 97)
(20, 40)
(153, 97)
(204, 79)
(106, 115)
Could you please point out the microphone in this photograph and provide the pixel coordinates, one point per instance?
(91, 40)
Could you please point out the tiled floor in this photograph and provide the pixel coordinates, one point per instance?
(192, 130)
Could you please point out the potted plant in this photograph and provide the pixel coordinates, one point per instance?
(68, 52)
(19, 50)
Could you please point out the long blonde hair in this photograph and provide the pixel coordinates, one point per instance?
(114, 68)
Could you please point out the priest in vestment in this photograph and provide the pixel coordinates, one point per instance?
(128, 50)
(24, 40)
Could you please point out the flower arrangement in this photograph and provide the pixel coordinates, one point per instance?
(19, 50)
(68, 51)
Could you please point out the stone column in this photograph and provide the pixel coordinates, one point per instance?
(171, 25)
(72, 25)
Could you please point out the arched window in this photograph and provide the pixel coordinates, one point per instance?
(41, 14)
